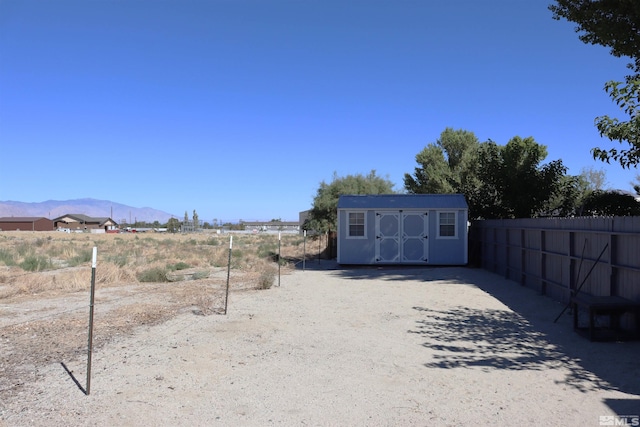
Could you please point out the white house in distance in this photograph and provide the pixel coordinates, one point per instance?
(85, 223)
(412, 229)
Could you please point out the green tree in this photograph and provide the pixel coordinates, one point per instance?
(636, 185)
(609, 23)
(450, 165)
(173, 225)
(497, 181)
(513, 176)
(614, 24)
(444, 166)
(594, 179)
(323, 215)
(627, 96)
(566, 200)
(574, 190)
(609, 203)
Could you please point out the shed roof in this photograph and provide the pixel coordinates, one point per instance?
(83, 219)
(78, 217)
(403, 201)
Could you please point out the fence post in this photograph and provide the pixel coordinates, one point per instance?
(91, 300)
(523, 258)
(613, 261)
(226, 298)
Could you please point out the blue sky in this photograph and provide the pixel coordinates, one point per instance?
(240, 108)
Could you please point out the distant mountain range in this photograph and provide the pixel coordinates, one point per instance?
(91, 207)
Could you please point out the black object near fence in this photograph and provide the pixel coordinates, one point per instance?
(554, 255)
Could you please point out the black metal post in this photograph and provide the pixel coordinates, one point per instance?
(583, 282)
(226, 298)
(91, 300)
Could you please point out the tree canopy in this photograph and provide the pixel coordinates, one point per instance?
(627, 96)
(609, 23)
(614, 24)
(609, 203)
(444, 165)
(323, 215)
(497, 181)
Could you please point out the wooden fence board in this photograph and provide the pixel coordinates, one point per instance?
(554, 255)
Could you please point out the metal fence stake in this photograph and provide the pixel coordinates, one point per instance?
(226, 298)
(91, 300)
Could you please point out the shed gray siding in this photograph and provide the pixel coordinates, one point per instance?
(356, 251)
(415, 237)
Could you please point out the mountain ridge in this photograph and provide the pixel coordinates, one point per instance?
(88, 206)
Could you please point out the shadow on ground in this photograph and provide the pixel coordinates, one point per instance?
(522, 337)
(385, 272)
(313, 264)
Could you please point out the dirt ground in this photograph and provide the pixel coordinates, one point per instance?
(329, 346)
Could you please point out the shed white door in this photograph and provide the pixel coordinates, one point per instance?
(401, 237)
(388, 237)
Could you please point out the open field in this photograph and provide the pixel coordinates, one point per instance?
(330, 346)
(141, 280)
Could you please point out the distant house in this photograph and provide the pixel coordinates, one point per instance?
(417, 229)
(81, 223)
(25, 223)
(272, 226)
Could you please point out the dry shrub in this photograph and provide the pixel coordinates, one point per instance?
(209, 303)
(5, 275)
(220, 256)
(64, 280)
(72, 279)
(265, 281)
(111, 274)
(37, 283)
(153, 274)
(124, 319)
(265, 275)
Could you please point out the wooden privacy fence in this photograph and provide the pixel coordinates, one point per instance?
(554, 255)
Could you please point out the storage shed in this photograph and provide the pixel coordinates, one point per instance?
(414, 229)
(26, 223)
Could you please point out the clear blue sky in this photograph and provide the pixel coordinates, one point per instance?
(240, 108)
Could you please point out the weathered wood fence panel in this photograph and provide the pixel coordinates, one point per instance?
(556, 256)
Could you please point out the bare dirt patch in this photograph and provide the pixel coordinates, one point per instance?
(37, 332)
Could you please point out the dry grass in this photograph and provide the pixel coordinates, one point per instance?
(37, 268)
(65, 259)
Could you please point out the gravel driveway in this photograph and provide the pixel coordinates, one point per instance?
(345, 346)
